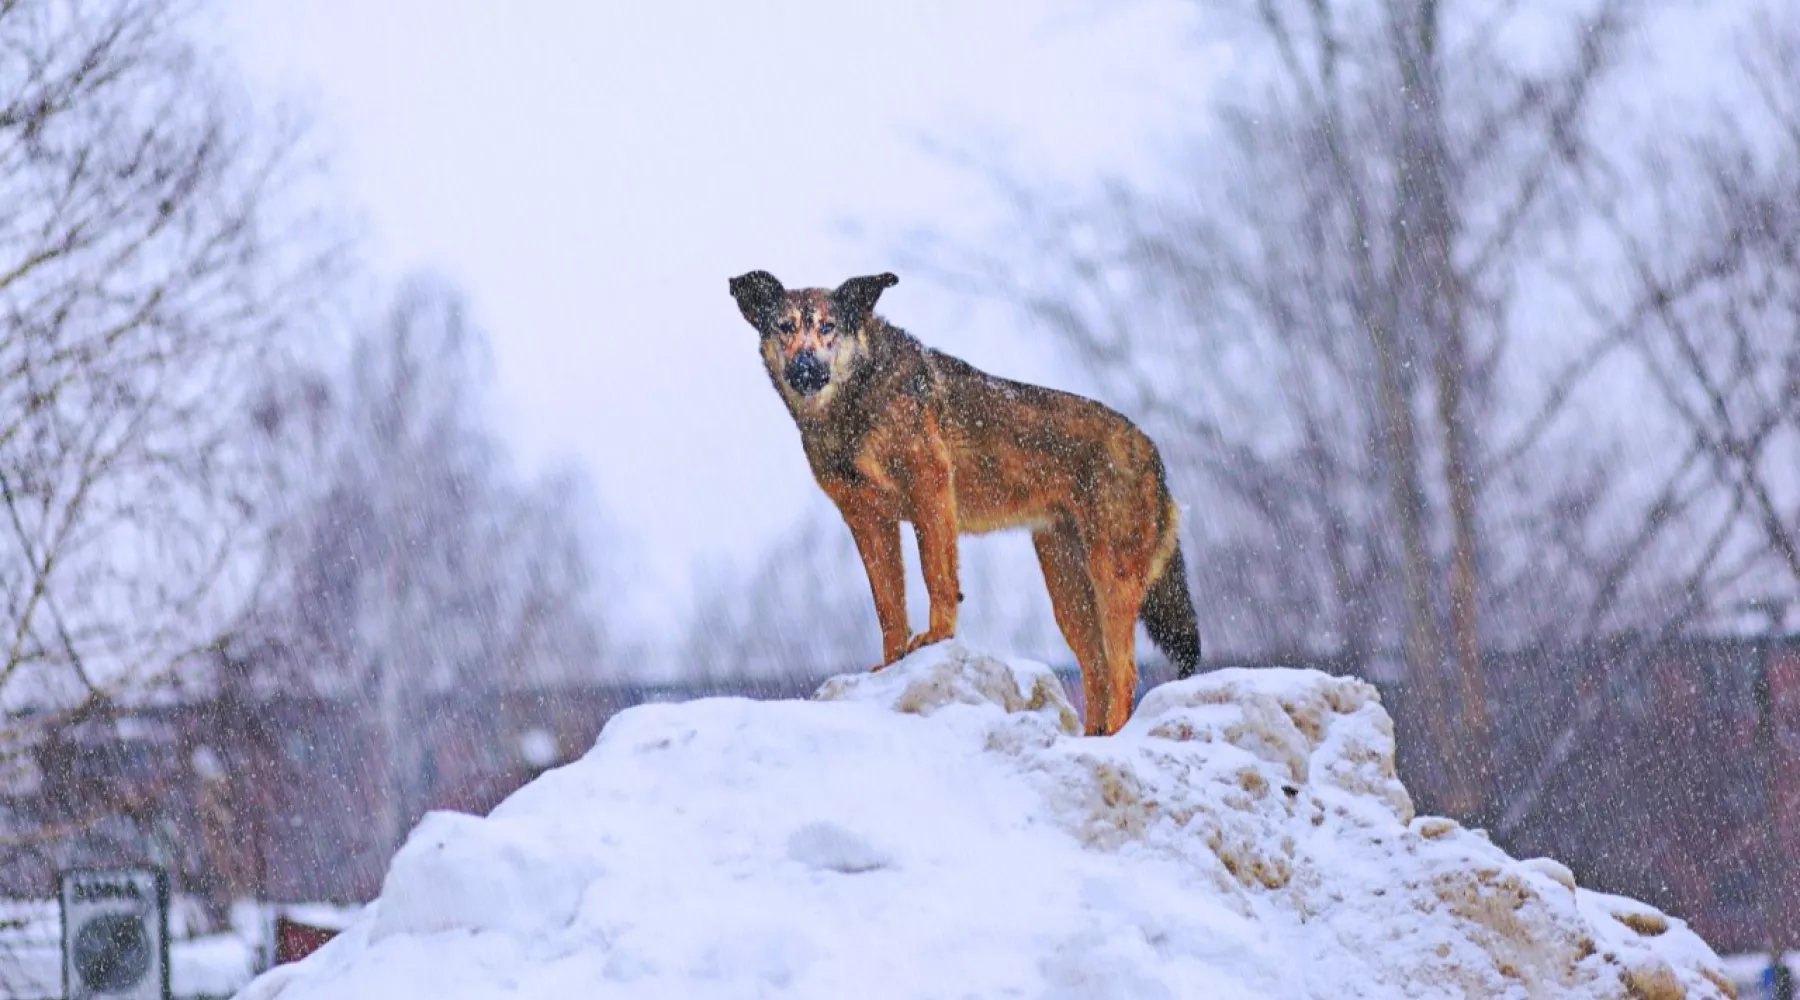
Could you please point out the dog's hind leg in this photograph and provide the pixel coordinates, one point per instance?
(1121, 537)
(1072, 600)
(1119, 583)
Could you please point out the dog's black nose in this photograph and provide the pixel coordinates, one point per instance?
(807, 374)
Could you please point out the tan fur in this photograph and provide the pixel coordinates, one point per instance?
(901, 432)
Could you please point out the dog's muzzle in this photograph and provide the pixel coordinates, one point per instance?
(806, 373)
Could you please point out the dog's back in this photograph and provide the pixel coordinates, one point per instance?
(1026, 455)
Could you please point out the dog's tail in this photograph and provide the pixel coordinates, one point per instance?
(1168, 611)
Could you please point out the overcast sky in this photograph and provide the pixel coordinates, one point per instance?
(592, 173)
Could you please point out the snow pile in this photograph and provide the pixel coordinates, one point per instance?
(939, 830)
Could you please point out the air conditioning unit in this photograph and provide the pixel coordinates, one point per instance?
(115, 934)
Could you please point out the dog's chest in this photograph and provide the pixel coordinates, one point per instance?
(853, 453)
(833, 450)
(860, 439)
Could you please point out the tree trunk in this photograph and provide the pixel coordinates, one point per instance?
(1433, 290)
(1424, 650)
(1475, 755)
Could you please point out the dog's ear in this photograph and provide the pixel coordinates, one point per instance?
(757, 295)
(855, 299)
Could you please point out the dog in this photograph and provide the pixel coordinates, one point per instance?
(896, 431)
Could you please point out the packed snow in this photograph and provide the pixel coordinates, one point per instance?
(939, 829)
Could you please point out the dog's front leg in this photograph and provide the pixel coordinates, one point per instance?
(878, 541)
(934, 518)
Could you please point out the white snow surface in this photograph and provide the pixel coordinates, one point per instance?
(938, 829)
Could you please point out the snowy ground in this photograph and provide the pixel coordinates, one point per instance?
(936, 830)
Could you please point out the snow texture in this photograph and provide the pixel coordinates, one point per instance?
(939, 829)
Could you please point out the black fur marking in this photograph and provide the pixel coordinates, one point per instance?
(758, 294)
(855, 299)
(1168, 616)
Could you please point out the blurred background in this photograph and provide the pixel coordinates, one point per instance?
(374, 421)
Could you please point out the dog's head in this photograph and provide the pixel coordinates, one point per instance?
(810, 336)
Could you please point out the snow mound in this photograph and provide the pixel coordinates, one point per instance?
(937, 830)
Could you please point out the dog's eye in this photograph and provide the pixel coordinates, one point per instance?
(826, 328)
(786, 326)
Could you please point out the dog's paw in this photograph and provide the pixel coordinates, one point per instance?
(930, 637)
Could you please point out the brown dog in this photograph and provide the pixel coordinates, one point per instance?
(896, 431)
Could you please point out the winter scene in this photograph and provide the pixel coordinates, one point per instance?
(1078, 499)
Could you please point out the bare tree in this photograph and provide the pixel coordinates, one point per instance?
(1721, 340)
(1705, 347)
(152, 250)
(803, 609)
(1318, 328)
(418, 561)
